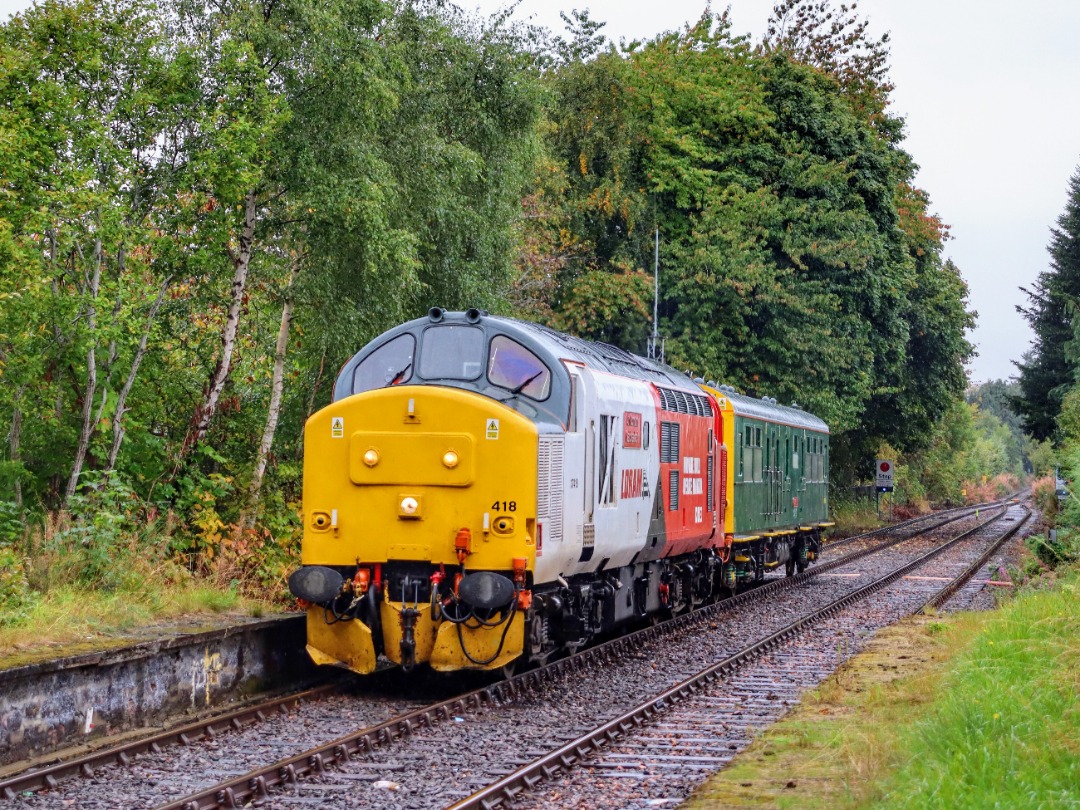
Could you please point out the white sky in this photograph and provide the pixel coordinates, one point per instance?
(990, 91)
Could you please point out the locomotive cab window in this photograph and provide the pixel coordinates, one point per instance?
(512, 366)
(390, 364)
(452, 352)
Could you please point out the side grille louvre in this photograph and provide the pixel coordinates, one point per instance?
(669, 442)
(549, 495)
(684, 402)
(709, 482)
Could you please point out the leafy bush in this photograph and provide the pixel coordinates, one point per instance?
(16, 595)
(854, 515)
(12, 529)
(1062, 547)
(1044, 494)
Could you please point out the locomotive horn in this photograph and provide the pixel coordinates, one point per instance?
(436, 314)
(473, 315)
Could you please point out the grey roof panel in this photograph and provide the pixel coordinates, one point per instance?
(774, 412)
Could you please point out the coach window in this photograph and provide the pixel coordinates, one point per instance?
(512, 366)
(390, 364)
(452, 352)
(757, 455)
(739, 456)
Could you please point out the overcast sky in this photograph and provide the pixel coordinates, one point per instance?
(990, 92)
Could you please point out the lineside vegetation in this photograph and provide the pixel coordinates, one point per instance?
(206, 208)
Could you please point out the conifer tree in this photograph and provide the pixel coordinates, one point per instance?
(1050, 368)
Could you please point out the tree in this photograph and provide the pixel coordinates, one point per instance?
(85, 88)
(1049, 369)
(798, 260)
(837, 42)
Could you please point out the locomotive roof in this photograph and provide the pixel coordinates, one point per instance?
(602, 356)
(771, 411)
(554, 345)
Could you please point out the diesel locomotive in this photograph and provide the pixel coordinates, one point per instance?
(484, 491)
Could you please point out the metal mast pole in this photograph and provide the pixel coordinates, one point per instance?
(656, 299)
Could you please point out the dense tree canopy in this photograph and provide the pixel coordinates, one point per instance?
(797, 258)
(190, 193)
(205, 208)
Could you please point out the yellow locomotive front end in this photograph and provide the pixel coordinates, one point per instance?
(419, 529)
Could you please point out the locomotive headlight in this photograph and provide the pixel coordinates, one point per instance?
(409, 505)
(450, 459)
(371, 457)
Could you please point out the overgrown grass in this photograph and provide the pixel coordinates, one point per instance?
(855, 515)
(961, 711)
(1004, 730)
(72, 614)
(112, 564)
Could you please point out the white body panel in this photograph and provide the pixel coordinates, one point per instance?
(608, 485)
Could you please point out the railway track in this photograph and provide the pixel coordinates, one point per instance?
(435, 755)
(664, 746)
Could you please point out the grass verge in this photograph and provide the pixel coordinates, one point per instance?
(72, 619)
(970, 710)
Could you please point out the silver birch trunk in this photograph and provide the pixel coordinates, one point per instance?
(277, 388)
(241, 259)
(121, 400)
(91, 377)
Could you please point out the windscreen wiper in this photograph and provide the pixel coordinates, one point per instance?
(521, 387)
(398, 377)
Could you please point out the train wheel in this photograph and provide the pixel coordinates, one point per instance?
(511, 669)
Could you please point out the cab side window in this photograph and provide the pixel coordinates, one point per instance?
(515, 368)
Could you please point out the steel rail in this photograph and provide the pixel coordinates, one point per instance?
(946, 593)
(255, 785)
(50, 775)
(574, 752)
(963, 511)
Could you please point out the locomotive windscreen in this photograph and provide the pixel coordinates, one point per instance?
(452, 352)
